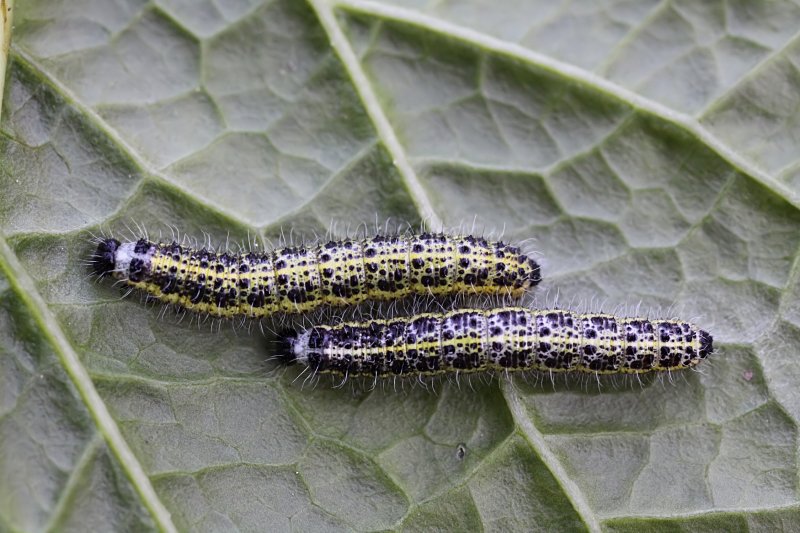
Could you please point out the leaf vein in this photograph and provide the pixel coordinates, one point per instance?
(26, 289)
(536, 439)
(349, 59)
(576, 74)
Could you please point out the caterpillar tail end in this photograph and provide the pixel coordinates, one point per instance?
(103, 261)
(706, 344)
(534, 276)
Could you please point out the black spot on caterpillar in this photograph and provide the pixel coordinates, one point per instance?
(300, 279)
(504, 339)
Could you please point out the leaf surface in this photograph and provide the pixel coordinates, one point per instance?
(649, 148)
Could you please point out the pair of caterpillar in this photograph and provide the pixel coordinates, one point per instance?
(339, 273)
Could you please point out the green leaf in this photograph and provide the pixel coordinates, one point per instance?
(649, 148)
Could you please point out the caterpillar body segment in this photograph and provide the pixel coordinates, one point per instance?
(300, 279)
(499, 339)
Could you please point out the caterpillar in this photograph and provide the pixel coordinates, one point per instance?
(300, 279)
(503, 339)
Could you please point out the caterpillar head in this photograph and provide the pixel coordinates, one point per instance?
(287, 345)
(293, 346)
(104, 259)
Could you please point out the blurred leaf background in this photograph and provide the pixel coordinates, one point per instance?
(650, 147)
